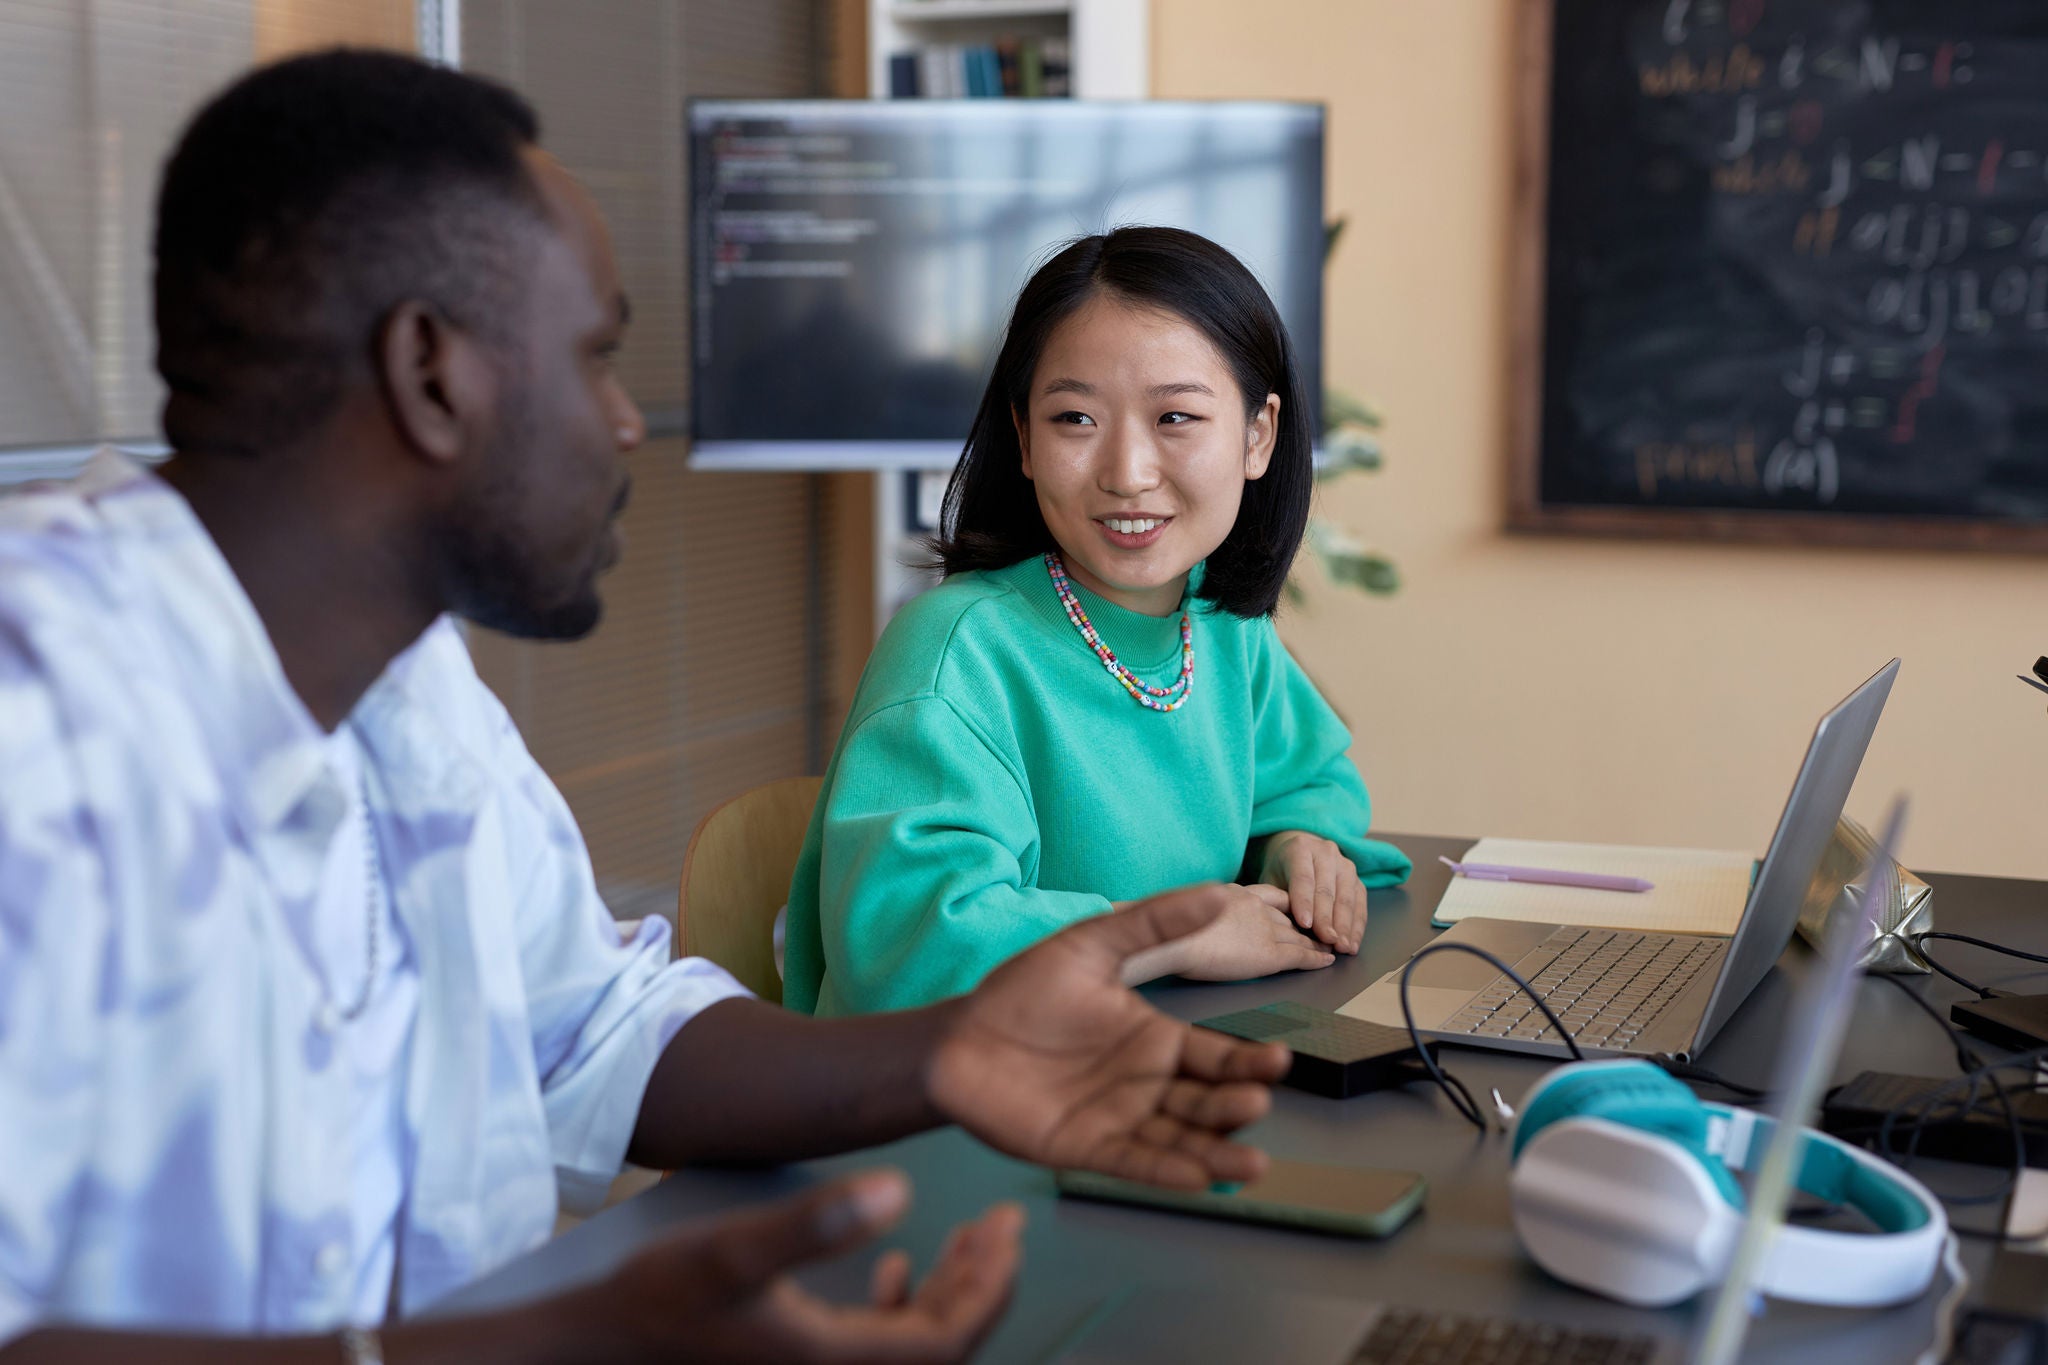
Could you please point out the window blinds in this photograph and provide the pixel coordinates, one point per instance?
(708, 675)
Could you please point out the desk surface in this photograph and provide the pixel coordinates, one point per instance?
(1460, 1252)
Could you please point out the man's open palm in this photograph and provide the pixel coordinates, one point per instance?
(1054, 1060)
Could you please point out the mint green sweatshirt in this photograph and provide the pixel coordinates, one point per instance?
(994, 783)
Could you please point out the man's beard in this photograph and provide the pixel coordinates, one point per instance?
(488, 572)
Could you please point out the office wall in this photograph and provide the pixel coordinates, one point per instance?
(1554, 688)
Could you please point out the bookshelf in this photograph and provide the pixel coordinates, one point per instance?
(1107, 40)
(1108, 52)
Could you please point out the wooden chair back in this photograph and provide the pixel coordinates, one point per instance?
(736, 875)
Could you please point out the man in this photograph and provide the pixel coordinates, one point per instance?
(307, 1001)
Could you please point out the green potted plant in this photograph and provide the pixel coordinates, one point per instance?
(1351, 445)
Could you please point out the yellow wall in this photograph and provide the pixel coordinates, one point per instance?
(284, 27)
(1559, 688)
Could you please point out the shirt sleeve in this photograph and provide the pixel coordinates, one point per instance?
(1304, 778)
(929, 845)
(54, 964)
(601, 1006)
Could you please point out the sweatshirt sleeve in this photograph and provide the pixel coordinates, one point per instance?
(929, 846)
(1304, 778)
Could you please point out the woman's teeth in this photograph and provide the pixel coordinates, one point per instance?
(1130, 527)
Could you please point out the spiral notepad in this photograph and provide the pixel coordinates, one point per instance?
(1698, 890)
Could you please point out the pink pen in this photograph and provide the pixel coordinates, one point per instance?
(1549, 876)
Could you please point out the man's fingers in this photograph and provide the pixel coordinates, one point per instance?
(1165, 1152)
(889, 1284)
(976, 1268)
(944, 1320)
(741, 1253)
(1216, 1108)
(1211, 1056)
(1152, 921)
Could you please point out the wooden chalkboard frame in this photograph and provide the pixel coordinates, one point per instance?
(1527, 512)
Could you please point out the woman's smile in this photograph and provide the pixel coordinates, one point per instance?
(1132, 532)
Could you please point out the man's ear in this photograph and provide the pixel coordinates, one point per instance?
(1264, 428)
(1023, 439)
(439, 382)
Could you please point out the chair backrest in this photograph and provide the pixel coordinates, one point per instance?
(736, 875)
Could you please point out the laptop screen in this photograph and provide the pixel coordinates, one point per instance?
(1816, 802)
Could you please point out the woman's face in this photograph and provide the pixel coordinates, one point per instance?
(1137, 446)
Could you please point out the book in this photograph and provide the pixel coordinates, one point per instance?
(1698, 891)
(984, 80)
(931, 72)
(1031, 71)
(1057, 56)
(991, 71)
(1008, 51)
(903, 75)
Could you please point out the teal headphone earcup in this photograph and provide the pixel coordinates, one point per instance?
(1634, 1094)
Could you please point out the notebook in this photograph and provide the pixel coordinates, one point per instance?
(1698, 890)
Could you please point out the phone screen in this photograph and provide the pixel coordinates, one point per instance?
(1340, 1189)
(1340, 1199)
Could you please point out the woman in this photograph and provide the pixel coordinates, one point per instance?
(1094, 705)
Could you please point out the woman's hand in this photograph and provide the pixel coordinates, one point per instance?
(1253, 936)
(1324, 895)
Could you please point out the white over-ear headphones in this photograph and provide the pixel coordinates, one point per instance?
(1622, 1184)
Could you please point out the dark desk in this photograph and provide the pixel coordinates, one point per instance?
(1460, 1252)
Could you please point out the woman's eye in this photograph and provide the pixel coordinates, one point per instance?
(1175, 419)
(1075, 419)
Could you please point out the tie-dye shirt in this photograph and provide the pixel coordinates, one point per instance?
(175, 1124)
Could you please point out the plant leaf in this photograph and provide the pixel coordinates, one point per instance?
(1340, 409)
(1348, 452)
(1350, 563)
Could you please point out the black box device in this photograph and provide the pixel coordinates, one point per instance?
(1934, 1118)
(2019, 1022)
(1334, 1054)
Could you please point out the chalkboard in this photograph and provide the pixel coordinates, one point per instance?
(1782, 270)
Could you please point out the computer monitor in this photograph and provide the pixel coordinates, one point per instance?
(854, 261)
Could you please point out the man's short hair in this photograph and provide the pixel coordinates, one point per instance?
(305, 202)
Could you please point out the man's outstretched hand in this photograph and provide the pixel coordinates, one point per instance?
(1054, 1060)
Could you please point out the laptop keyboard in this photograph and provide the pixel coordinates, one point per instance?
(1606, 986)
(1405, 1337)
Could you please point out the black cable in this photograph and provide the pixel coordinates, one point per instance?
(1699, 1075)
(1919, 941)
(1461, 1098)
(1975, 1069)
(1934, 1105)
(1966, 1055)
(1931, 1107)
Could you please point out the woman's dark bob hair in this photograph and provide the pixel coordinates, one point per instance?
(991, 513)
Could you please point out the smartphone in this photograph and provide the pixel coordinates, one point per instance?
(1347, 1201)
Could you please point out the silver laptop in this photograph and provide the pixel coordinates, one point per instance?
(1620, 993)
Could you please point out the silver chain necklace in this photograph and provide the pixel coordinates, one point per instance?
(373, 872)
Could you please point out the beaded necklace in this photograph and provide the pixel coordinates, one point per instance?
(1154, 698)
